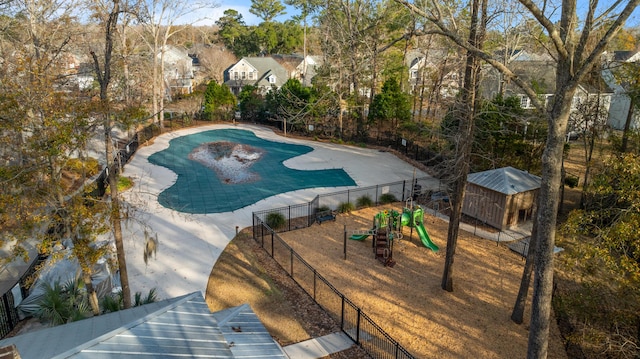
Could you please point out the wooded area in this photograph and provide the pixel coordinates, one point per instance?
(77, 72)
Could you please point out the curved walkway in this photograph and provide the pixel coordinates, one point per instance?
(190, 244)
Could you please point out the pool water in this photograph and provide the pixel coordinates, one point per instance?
(198, 188)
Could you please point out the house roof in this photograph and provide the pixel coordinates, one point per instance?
(265, 66)
(419, 58)
(176, 327)
(173, 54)
(507, 180)
(622, 56)
(289, 62)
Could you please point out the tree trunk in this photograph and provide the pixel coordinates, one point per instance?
(154, 86)
(627, 126)
(589, 147)
(104, 78)
(117, 234)
(91, 293)
(517, 315)
(546, 218)
(468, 105)
(163, 90)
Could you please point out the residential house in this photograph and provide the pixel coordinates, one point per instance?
(537, 70)
(540, 72)
(79, 72)
(178, 70)
(299, 67)
(177, 327)
(620, 109)
(501, 197)
(263, 72)
(436, 69)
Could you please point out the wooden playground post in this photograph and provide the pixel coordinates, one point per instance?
(345, 242)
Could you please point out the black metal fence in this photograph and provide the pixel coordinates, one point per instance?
(8, 312)
(303, 215)
(353, 321)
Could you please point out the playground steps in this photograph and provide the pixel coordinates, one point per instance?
(382, 248)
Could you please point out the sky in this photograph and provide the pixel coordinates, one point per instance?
(242, 6)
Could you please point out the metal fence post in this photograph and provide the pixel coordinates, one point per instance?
(291, 260)
(342, 313)
(8, 309)
(404, 189)
(315, 276)
(357, 325)
(272, 246)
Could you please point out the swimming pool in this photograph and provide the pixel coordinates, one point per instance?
(201, 189)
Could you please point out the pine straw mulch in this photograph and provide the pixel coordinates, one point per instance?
(245, 273)
(406, 300)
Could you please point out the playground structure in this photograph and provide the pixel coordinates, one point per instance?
(417, 221)
(387, 226)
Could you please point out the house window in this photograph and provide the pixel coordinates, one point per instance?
(235, 75)
(244, 75)
(524, 102)
(272, 79)
(250, 75)
(414, 74)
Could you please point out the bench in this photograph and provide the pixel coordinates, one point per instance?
(328, 215)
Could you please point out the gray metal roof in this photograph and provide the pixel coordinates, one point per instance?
(507, 180)
(242, 327)
(179, 327)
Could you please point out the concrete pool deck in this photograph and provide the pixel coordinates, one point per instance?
(190, 244)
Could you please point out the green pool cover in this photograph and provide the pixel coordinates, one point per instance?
(199, 189)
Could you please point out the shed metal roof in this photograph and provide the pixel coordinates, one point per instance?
(507, 180)
(179, 327)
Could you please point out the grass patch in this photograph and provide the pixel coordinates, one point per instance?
(124, 183)
(345, 207)
(275, 220)
(388, 198)
(364, 201)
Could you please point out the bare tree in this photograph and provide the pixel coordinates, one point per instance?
(214, 60)
(159, 18)
(578, 50)
(468, 105)
(108, 13)
(343, 25)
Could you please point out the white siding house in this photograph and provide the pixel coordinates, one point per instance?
(178, 71)
(620, 102)
(262, 72)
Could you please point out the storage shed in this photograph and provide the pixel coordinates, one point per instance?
(502, 197)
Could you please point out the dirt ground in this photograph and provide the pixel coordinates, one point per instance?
(406, 300)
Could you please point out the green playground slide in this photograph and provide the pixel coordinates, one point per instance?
(424, 237)
(359, 237)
